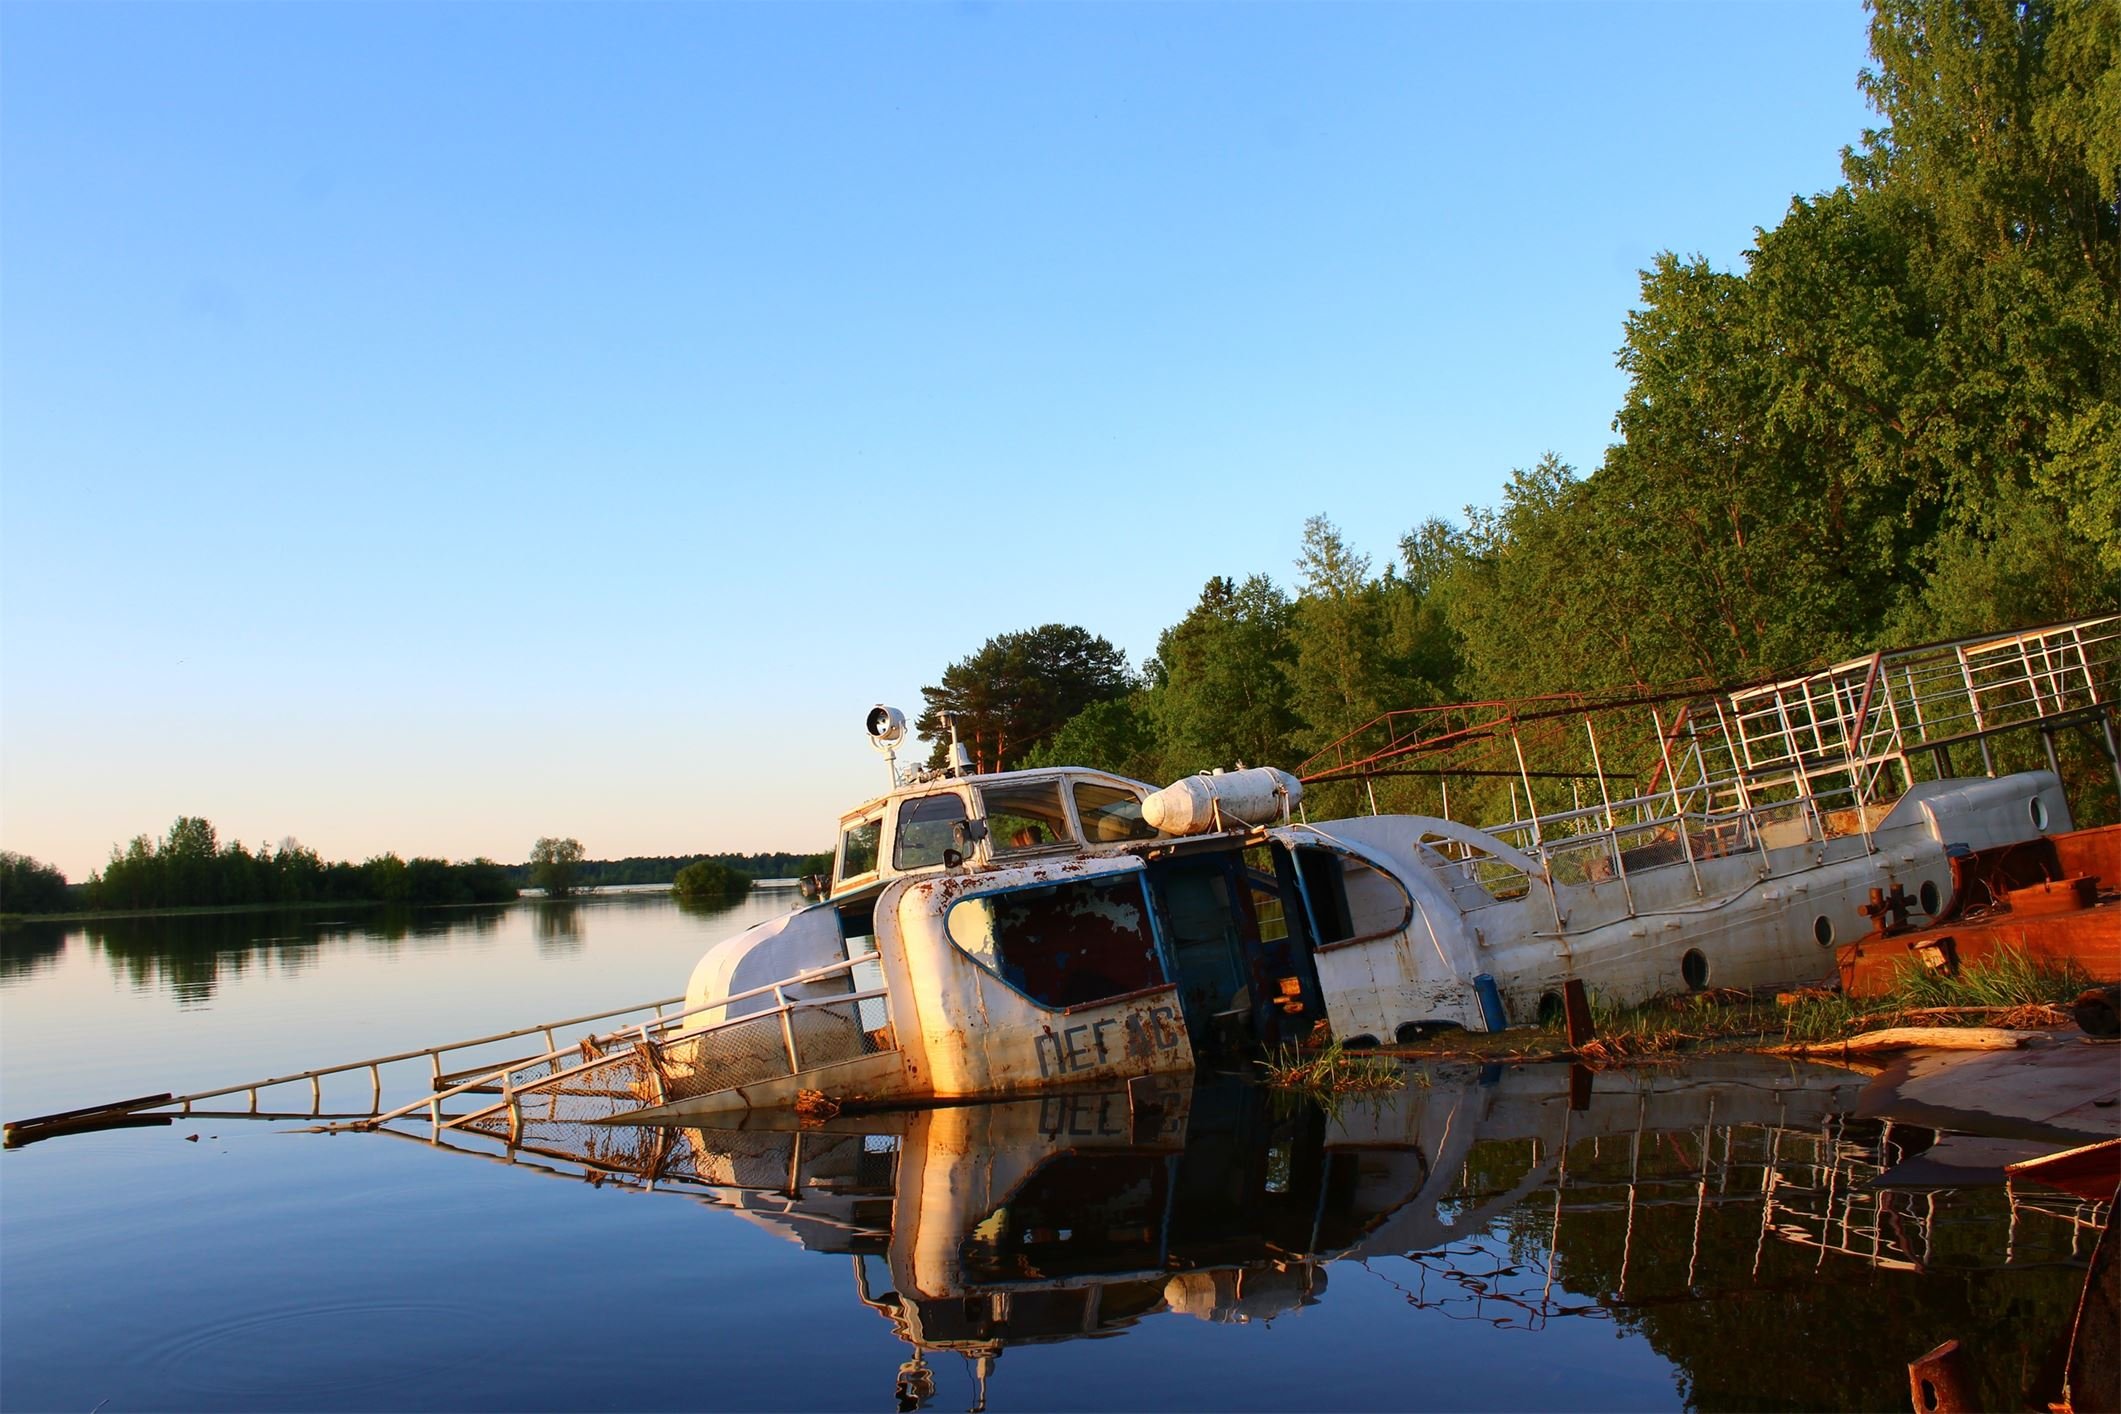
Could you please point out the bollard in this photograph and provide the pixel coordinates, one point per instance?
(1576, 1006)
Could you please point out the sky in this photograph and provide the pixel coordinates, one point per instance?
(428, 427)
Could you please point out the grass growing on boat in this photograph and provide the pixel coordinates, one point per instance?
(1332, 1070)
(2008, 988)
(2008, 978)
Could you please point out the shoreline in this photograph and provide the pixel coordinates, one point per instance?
(528, 895)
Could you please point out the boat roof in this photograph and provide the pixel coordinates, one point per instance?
(927, 783)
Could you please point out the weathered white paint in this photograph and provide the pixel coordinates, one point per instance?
(762, 954)
(1756, 917)
(1261, 795)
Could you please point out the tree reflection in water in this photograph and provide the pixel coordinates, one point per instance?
(190, 955)
(558, 925)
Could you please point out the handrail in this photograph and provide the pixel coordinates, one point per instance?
(435, 1051)
(515, 1093)
(89, 1116)
(660, 1023)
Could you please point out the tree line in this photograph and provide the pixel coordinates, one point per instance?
(189, 867)
(1900, 421)
(664, 868)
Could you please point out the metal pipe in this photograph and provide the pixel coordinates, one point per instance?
(787, 1031)
(1686, 845)
(1620, 868)
(1531, 807)
(1973, 698)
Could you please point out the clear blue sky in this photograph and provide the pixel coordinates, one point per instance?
(427, 427)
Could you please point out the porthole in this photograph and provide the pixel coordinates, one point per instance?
(1927, 897)
(2037, 808)
(1413, 1032)
(1823, 930)
(1694, 969)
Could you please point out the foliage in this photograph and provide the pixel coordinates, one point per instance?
(1117, 735)
(554, 863)
(1332, 1070)
(1899, 421)
(1018, 690)
(27, 886)
(189, 868)
(1223, 680)
(663, 868)
(706, 881)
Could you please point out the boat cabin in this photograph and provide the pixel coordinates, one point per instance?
(983, 821)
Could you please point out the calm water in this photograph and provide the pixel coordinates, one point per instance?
(1702, 1237)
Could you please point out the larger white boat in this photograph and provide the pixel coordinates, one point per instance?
(991, 934)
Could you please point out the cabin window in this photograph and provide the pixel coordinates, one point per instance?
(1267, 905)
(1024, 815)
(1110, 814)
(925, 830)
(858, 847)
(1349, 898)
(1063, 944)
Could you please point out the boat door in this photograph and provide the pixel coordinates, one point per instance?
(1240, 958)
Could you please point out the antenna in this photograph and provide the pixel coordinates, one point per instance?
(960, 758)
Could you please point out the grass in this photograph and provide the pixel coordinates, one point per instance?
(1332, 1070)
(2006, 989)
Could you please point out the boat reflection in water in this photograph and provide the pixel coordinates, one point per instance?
(1729, 1210)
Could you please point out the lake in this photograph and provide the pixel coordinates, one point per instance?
(1697, 1236)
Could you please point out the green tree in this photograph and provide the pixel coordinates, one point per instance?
(1224, 691)
(553, 865)
(1117, 735)
(27, 886)
(706, 881)
(387, 878)
(1018, 690)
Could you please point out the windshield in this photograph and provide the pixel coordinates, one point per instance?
(925, 829)
(1024, 815)
(1110, 813)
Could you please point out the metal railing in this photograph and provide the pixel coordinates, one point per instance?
(648, 1046)
(23, 1130)
(591, 1053)
(1658, 779)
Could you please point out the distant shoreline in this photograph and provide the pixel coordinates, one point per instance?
(10, 920)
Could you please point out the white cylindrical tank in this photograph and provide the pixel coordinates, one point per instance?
(1259, 796)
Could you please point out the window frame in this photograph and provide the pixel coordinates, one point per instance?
(1082, 828)
(1063, 789)
(848, 826)
(898, 825)
(1157, 946)
(1303, 890)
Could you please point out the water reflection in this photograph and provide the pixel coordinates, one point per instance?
(190, 956)
(25, 952)
(1729, 1213)
(558, 924)
(709, 908)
